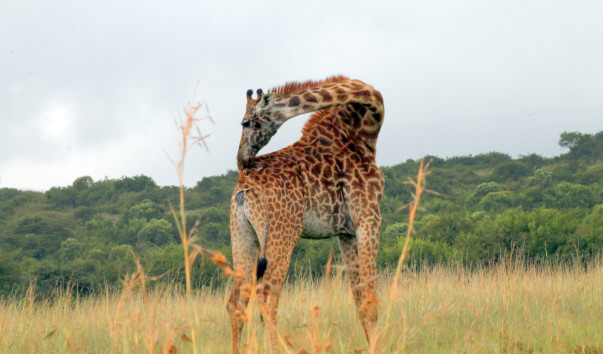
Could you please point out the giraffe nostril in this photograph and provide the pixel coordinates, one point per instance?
(246, 123)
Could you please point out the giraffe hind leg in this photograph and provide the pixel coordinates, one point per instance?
(359, 257)
(245, 250)
(254, 213)
(367, 235)
(349, 252)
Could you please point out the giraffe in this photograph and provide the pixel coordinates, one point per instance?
(326, 184)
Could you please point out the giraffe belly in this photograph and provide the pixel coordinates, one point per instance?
(317, 227)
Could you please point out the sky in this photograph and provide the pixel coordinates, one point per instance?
(92, 88)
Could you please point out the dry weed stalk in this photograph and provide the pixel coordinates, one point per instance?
(419, 189)
(132, 282)
(189, 136)
(323, 343)
(187, 127)
(28, 306)
(320, 344)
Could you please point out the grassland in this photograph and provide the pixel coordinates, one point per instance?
(508, 308)
(518, 309)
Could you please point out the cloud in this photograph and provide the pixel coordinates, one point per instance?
(93, 88)
(55, 122)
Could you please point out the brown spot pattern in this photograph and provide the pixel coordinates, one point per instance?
(308, 97)
(294, 101)
(327, 184)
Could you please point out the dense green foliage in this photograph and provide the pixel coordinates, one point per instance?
(489, 206)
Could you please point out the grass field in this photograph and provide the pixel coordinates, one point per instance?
(502, 310)
(515, 308)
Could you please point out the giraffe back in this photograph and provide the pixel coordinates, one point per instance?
(321, 171)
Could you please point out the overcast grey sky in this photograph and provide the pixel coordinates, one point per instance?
(92, 87)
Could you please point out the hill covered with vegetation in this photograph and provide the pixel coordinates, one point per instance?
(488, 207)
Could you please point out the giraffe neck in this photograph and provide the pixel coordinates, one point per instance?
(355, 106)
(350, 92)
(339, 128)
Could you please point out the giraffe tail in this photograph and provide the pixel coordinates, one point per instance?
(261, 268)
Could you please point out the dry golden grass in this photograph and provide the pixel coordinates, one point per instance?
(509, 308)
(506, 309)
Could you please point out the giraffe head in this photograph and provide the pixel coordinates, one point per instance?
(259, 126)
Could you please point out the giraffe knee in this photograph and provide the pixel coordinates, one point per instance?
(231, 306)
(369, 316)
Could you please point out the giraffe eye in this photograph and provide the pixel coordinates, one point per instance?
(246, 123)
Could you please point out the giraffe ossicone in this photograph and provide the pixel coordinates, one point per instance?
(327, 184)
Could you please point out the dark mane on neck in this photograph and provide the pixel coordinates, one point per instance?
(295, 86)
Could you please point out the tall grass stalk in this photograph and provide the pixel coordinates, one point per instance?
(189, 136)
(506, 308)
(419, 189)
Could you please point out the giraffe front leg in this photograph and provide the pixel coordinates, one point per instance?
(244, 255)
(268, 299)
(279, 247)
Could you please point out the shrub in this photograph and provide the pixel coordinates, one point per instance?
(510, 170)
(498, 201)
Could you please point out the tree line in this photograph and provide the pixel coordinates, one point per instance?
(489, 207)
